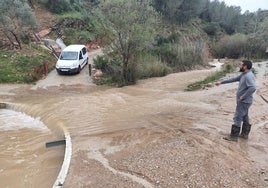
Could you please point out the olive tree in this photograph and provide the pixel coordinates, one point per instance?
(16, 20)
(130, 26)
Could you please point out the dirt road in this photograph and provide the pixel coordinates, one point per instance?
(152, 134)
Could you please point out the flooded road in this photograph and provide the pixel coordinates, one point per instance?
(25, 162)
(152, 134)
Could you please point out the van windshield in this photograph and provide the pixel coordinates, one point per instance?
(69, 55)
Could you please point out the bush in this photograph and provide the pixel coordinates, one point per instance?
(254, 48)
(212, 78)
(212, 29)
(151, 67)
(189, 54)
(100, 63)
(230, 46)
(238, 46)
(58, 6)
(18, 67)
(181, 53)
(148, 66)
(111, 69)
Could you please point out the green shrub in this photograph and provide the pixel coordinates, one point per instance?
(112, 71)
(254, 48)
(180, 53)
(207, 82)
(58, 6)
(153, 69)
(212, 28)
(100, 63)
(148, 66)
(18, 67)
(189, 54)
(233, 46)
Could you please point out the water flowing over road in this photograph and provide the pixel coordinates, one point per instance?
(152, 134)
(25, 162)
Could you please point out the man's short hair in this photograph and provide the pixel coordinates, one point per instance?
(247, 63)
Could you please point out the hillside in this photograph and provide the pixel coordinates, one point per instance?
(142, 40)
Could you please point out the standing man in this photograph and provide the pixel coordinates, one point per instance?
(244, 99)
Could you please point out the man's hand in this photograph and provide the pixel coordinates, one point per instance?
(217, 83)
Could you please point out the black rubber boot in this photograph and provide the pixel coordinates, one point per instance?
(245, 131)
(234, 134)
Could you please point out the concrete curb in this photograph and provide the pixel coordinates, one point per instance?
(66, 162)
(67, 157)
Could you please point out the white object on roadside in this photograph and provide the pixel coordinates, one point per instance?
(60, 42)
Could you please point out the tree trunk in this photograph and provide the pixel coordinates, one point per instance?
(10, 40)
(30, 2)
(16, 38)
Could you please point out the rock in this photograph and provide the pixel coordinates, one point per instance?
(44, 32)
(98, 73)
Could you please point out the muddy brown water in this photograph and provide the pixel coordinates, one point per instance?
(25, 161)
(38, 113)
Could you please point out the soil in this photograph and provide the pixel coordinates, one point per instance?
(153, 134)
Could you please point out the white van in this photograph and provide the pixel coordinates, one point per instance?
(72, 59)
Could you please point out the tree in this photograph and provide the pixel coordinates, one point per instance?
(168, 8)
(131, 26)
(263, 30)
(256, 27)
(250, 22)
(180, 11)
(190, 9)
(16, 21)
(228, 17)
(262, 34)
(31, 3)
(58, 6)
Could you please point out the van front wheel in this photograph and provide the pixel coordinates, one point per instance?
(59, 72)
(79, 69)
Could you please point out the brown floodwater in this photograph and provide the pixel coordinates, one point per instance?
(85, 110)
(36, 115)
(24, 159)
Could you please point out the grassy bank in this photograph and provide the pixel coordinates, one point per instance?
(207, 82)
(25, 66)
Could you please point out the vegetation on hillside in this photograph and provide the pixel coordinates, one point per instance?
(143, 38)
(207, 82)
(17, 23)
(25, 66)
